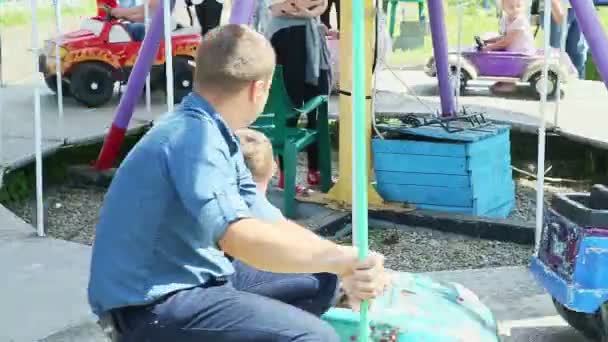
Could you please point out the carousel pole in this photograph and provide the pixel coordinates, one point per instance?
(591, 27)
(135, 84)
(1, 77)
(168, 54)
(242, 11)
(440, 49)
(342, 192)
(540, 167)
(37, 126)
(360, 138)
(147, 24)
(562, 46)
(58, 70)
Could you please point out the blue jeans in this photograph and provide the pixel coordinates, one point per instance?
(252, 306)
(136, 30)
(576, 45)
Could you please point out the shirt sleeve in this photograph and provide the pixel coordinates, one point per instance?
(264, 210)
(205, 180)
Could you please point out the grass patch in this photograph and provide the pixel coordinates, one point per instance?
(13, 15)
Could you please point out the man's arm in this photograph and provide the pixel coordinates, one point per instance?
(557, 11)
(134, 14)
(505, 41)
(199, 166)
(286, 248)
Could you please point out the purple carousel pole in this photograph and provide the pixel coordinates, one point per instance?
(135, 84)
(594, 34)
(440, 50)
(242, 11)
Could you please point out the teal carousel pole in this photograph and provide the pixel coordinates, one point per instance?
(359, 149)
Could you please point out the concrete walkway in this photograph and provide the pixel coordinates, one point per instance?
(44, 293)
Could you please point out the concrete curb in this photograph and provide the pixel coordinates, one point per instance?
(328, 225)
(484, 228)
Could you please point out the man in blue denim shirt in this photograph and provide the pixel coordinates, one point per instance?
(183, 197)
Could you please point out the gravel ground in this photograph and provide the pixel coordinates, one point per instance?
(424, 250)
(72, 214)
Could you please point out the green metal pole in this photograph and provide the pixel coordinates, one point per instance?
(359, 149)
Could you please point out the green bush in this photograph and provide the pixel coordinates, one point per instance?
(19, 16)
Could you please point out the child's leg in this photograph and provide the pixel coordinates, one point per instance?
(322, 88)
(576, 45)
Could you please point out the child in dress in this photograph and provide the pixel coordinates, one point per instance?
(516, 36)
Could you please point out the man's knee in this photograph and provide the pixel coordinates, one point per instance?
(329, 286)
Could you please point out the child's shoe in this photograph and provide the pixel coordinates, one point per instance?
(314, 177)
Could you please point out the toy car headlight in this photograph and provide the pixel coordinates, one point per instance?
(63, 52)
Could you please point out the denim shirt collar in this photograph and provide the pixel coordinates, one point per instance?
(194, 103)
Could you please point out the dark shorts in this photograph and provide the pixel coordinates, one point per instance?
(251, 306)
(136, 30)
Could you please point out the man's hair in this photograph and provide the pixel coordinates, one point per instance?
(232, 56)
(257, 150)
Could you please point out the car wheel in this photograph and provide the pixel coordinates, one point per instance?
(585, 323)
(92, 84)
(51, 82)
(182, 78)
(464, 78)
(537, 84)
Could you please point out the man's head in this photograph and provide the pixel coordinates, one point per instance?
(257, 151)
(234, 66)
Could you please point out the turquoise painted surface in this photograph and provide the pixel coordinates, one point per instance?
(418, 308)
(424, 148)
(438, 133)
(469, 173)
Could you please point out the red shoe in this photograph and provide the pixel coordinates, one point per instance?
(314, 177)
(299, 189)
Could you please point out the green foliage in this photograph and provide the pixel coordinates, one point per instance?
(19, 184)
(21, 15)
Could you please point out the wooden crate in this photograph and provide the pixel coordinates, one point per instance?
(465, 172)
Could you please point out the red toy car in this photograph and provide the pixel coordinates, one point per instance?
(102, 53)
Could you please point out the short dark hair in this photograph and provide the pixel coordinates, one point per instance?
(231, 56)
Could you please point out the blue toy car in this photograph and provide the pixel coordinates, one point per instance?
(572, 263)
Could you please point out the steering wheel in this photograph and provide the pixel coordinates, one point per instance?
(480, 43)
(109, 17)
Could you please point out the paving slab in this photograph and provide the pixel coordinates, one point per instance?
(524, 310)
(45, 282)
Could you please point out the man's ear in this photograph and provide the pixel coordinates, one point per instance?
(257, 90)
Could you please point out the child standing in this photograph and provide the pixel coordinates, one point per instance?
(516, 36)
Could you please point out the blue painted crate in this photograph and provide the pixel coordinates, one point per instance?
(466, 172)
